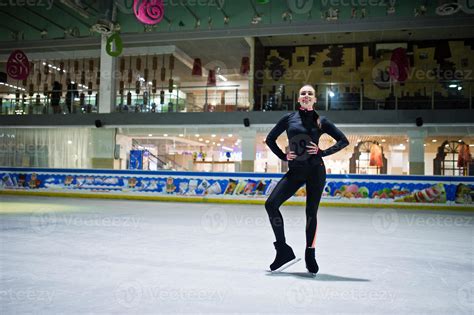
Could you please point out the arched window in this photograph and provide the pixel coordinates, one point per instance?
(448, 161)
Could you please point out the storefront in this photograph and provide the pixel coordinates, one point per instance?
(221, 150)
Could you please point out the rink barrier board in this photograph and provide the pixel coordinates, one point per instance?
(381, 191)
(240, 174)
(233, 201)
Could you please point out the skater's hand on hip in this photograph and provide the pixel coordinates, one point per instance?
(290, 155)
(312, 148)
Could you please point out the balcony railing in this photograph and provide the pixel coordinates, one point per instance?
(331, 96)
(346, 96)
(209, 99)
(42, 104)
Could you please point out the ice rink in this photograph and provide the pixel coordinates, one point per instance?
(71, 256)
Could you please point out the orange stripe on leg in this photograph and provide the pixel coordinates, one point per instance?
(314, 239)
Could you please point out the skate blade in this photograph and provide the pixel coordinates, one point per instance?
(288, 264)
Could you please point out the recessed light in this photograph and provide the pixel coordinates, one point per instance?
(207, 141)
(165, 135)
(201, 139)
(213, 136)
(222, 139)
(383, 140)
(229, 135)
(181, 135)
(434, 140)
(150, 135)
(196, 135)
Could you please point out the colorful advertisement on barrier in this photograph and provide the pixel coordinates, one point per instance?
(435, 190)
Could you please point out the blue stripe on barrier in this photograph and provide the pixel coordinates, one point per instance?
(240, 174)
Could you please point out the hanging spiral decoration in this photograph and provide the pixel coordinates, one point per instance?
(149, 12)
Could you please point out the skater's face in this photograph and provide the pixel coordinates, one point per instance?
(307, 96)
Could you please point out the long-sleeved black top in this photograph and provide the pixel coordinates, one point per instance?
(300, 132)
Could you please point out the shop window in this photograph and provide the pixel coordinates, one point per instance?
(453, 159)
(368, 158)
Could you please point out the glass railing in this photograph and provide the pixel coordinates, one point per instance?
(281, 97)
(360, 96)
(186, 99)
(44, 104)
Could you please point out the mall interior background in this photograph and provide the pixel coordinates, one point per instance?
(352, 71)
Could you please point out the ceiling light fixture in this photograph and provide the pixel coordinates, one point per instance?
(197, 20)
(287, 16)
(221, 9)
(257, 17)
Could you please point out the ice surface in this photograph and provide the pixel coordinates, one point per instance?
(73, 256)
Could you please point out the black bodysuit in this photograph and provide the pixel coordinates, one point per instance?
(301, 127)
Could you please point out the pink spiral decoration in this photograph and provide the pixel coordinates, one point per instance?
(18, 66)
(149, 12)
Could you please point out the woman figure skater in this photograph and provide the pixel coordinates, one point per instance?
(303, 128)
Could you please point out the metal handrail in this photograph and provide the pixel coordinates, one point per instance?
(393, 97)
(136, 144)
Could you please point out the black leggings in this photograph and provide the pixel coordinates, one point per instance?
(315, 178)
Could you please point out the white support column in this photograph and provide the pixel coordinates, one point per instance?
(107, 80)
(249, 144)
(416, 156)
